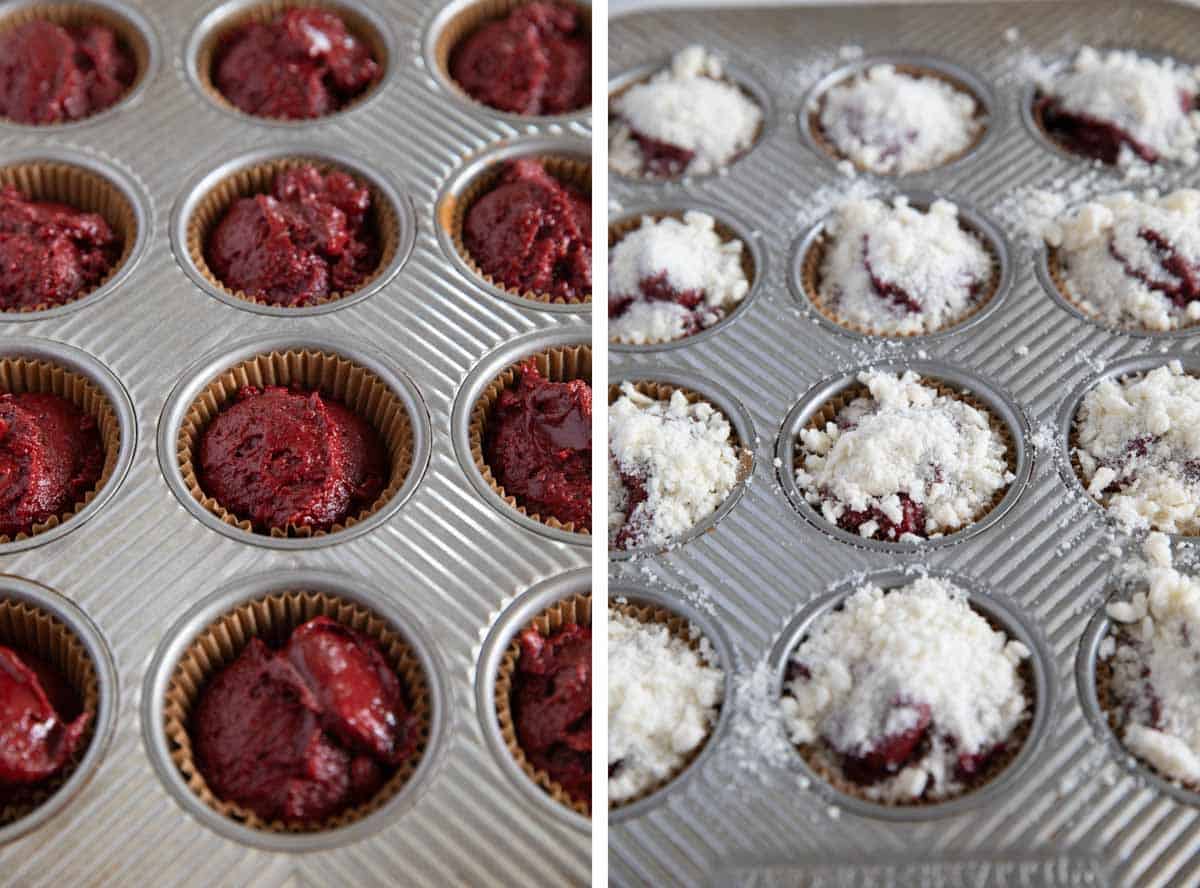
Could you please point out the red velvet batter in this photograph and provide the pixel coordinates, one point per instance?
(535, 60)
(303, 64)
(552, 706)
(539, 446)
(50, 457)
(50, 253)
(306, 240)
(302, 733)
(42, 723)
(50, 74)
(280, 457)
(531, 232)
(1095, 137)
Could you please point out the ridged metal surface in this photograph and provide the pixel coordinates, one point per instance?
(143, 561)
(1078, 818)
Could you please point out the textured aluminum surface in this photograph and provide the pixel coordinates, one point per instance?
(1076, 816)
(143, 560)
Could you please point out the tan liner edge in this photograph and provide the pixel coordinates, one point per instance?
(452, 213)
(20, 375)
(28, 628)
(272, 618)
(336, 377)
(576, 610)
(262, 13)
(555, 364)
(618, 230)
(474, 16)
(811, 279)
(834, 405)
(383, 219)
(679, 627)
(74, 15)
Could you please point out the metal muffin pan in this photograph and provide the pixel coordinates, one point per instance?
(1074, 815)
(143, 560)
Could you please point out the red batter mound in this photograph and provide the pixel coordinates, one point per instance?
(42, 723)
(305, 241)
(539, 446)
(535, 60)
(532, 233)
(552, 706)
(50, 74)
(286, 457)
(50, 253)
(303, 64)
(303, 733)
(50, 457)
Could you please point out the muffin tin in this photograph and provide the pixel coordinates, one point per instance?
(142, 563)
(748, 814)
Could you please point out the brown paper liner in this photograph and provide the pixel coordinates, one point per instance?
(823, 760)
(452, 213)
(83, 190)
(75, 15)
(27, 628)
(834, 405)
(263, 13)
(556, 365)
(578, 611)
(919, 71)
(20, 375)
(474, 16)
(811, 279)
(680, 628)
(335, 377)
(272, 619)
(259, 178)
(618, 230)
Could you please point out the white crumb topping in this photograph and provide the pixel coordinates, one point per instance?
(1156, 668)
(893, 123)
(663, 700)
(694, 258)
(682, 454)
(1120, 258)
(906, 440)
(883, 261)
(688, 106)
(915, 662)
(1139, 449)
(1142, 97)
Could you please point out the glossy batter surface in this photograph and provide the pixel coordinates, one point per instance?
(42, 724)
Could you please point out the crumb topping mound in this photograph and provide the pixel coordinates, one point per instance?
(670, 278)
(1133, 261)
(682, 120)
(899, 270)
(1119, 107)
(902, 463)
(912, 690)
(893, 123)
(671, 464)
(1139, 449)
(663, 701)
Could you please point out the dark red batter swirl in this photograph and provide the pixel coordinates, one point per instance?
(303, 64)
(50, 458)
(50, 253)
(50, 74)
(291, 458)
(305, 241)
(42, 722)
(662, 160)
(302, 733)
(535, 60)
(552, 706)
(539, 446)
(658, 289)
(1096, 137)
(533, 233)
